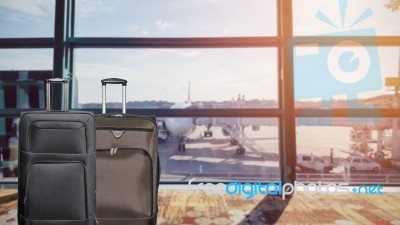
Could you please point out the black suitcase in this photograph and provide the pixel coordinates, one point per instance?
(57, 165)
(127, 166)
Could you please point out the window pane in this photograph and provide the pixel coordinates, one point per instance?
(338, 140)
(242, 149)
(214, 155)
(22, 90)
(175, 18)
(27, 18)
(160, 77)
(26, 59)
(9, 149)
(345, 77)
(315, 17)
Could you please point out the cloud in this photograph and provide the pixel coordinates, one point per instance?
(145, 32)
(269, 79)
(26, 10)
(218, 2)
(89, 8)
(136, 29)
(30, 7)
(22, 59)
(164, 25)
(94, 70)
(148, 55)
(132, 29)
(190, 54)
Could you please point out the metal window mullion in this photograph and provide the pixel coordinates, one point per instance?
(7, 43)
(248, 113)
(59, 51)
(212, 42)
(382, 41)
(288, 124)
(349, 113)
(69, 50)
(281, 134)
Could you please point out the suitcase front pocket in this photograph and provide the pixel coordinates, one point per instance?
(124, 183)
(56, 191)
(61, 137)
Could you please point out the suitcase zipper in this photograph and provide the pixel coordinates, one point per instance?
(130, 116)
(113, 151)
(124, 129)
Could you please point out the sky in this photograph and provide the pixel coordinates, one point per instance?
(164, 74)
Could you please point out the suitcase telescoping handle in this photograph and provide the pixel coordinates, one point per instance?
(104, 83)
(48, 96)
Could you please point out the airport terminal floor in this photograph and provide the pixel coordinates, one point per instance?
(179, 206)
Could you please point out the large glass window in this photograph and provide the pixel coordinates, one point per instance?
(335, 75)
(23, 90)
(176, 18)
(347, 74)
(219, 149)
(26, 59)
(344, 77)
(212, 149)
(345, 18)
(26, 18)
(216, 76)
(349, 150)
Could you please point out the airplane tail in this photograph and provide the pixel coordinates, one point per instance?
(189, 100)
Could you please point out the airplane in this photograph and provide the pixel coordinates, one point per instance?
(183, 127)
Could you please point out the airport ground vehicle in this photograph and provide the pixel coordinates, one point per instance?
(396, 165)
(311, 162)
(162, 135)
(359, 163)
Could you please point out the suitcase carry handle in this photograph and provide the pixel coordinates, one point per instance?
(104, 83)
(48, 87)
(114, 81)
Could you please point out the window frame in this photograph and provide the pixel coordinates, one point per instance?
(64, 43)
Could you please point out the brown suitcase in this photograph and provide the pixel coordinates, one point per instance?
(127, 165)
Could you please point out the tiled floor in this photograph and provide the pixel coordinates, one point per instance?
(182, 207)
